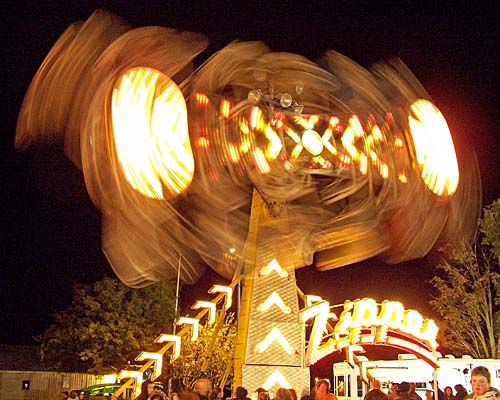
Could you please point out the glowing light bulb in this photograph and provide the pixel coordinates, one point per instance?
(312, 142)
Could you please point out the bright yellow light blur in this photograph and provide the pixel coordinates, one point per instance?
(234, 155)
(111, 378)
(149, 118)
(434, 148)
(311, 140)
(225, 108)
(274, 299)
(261, 162)
(290, 132)
(275, 145)
(349, 136)
(274, 335)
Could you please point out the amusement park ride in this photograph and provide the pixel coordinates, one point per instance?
(256, 163)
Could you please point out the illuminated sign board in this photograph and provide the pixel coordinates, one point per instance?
(365, 322)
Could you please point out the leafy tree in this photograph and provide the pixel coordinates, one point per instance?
(468, 292)
(188, 367)
(108, 324)
(490, 228)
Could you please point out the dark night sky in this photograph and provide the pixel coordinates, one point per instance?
(50, 231)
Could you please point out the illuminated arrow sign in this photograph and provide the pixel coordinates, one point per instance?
(276, 377)
(137, 375)
(275, 334)
(273, 266)
(190, 321)
(227, 291)
(211, 309)
(171, 338)
(152, 356)
(274, 298)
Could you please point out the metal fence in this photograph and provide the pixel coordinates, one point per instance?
(42, 385)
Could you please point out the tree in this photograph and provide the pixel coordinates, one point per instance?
(188, 367)
(108, 324)
(468, 292)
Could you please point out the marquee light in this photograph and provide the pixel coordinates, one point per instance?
(362, 322)
(311, 299)
(211, 309)
(419, 350)
(351, 354)
(321, 312)
(157, 365)
(228, 294)
(171, 338)
(274, 298)
(274, 335)
(365, 313)
(190, 321)
(273, 266)
(276, 377)
(365, 366)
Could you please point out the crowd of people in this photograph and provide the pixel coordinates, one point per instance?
(73, 395)
(480, 382)
(203, 390)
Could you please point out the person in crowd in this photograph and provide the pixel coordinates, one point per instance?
(283, 394)
(448, 393)
(262, 394)
(157, 395)
(147, 388)
(481, 389)
(73, 395)
(460, 392)
(375, 393)
(175, 396)
(203, 387)
(240, 393)
(81, 396)
(413, 392)
(429, 395)
(216, 393)
(293, 393)
(65, 395)
(189, 395)
(440, 393)
(404, 391)
(322, 389)
(393, 391)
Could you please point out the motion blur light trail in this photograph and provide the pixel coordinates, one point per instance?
(151, 133)
(434, 146)
(351, 163)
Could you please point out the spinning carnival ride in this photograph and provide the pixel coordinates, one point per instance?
(256, 161)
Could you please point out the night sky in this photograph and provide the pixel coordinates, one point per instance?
(50, 230)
